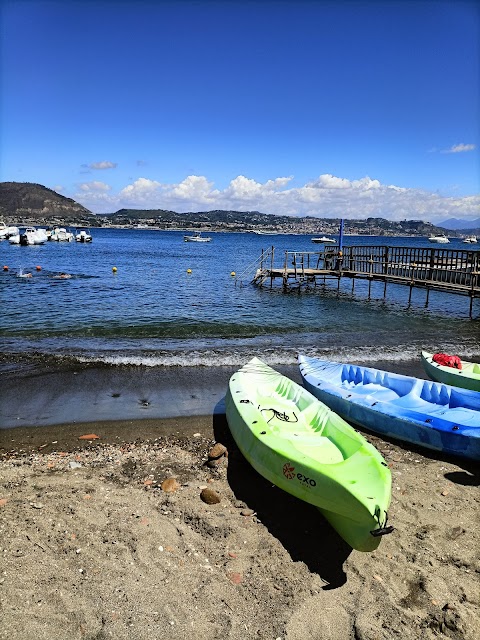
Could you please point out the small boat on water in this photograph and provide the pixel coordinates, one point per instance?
(440, 239)
(302, 447)
(323, 240)
(263, 232)
(60, 234)
(470, 240)
(83, 235)
(197, 237)
(30, 236)
(468, 377)
(6, 232)
(425, 413)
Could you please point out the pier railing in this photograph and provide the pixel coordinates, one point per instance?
(446, 268)
(261, 267)
(435, 269)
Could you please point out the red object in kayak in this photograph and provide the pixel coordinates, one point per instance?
(447, 361)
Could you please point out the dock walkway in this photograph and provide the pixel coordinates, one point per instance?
(453, 271)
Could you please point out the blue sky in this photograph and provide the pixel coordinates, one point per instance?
(322, 108)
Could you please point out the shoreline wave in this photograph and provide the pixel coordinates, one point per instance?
(237, 356)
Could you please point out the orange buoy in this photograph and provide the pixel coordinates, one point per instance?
(38, 267)
(5, 267)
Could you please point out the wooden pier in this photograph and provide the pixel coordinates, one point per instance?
(453, 271)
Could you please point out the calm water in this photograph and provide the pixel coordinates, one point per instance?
(152, 312)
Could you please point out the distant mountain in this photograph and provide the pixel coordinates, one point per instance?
(26, 201)
(456, 223)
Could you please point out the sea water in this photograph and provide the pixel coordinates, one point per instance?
(171, 303)
(161, 334)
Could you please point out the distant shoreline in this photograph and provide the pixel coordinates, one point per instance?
(220, 229)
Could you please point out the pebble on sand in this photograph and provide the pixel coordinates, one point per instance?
(209, 496)
(235, 577)
(170, 485)
(217, 451)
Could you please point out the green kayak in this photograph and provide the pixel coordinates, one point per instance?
(297, 443)
(468, 377)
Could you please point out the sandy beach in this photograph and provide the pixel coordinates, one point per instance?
(95, 543)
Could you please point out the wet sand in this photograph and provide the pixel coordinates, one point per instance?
(94, 547)
(41, 396)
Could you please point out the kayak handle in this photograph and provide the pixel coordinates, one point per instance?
(383, 529)
(382, 532)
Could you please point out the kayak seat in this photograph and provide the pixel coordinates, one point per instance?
(319, 448)
(376, 391)
(415, 403)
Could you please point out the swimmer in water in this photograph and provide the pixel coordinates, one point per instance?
(63, 275)
(24, 275)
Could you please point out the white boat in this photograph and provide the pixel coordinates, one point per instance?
(323, 240)
(441, 239)
(83, 235)
(470, 240)
(197, 237)
(60, 234)
(30, 236)
(6, 232)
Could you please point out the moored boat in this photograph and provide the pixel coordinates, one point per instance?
(440, 239)
(470, 240)
(264, 232)
(30, 236)
(6, 231)
(468, 377)
(302, 447)
(60, 234)
(197, 237)
(323, 240)
(83, 235)
(422, 412)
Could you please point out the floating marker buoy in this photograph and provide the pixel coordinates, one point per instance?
(189, 271)
(38, 267)
(114, 269)
(233, 274)
(5, 268)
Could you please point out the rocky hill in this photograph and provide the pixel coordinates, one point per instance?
(35, 204)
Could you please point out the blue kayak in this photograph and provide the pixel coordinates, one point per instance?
(426, 413)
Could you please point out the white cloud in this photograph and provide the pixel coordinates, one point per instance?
(105, 164)
(460, 148)
(327, 181)
(94, 186)
(327, 196)
(141, 192)
(58, 188)
(193, 188)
